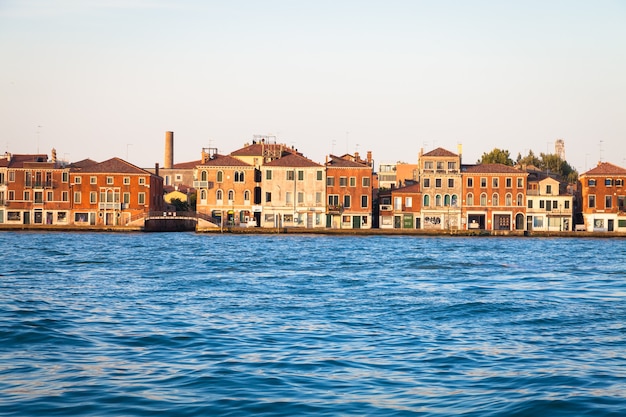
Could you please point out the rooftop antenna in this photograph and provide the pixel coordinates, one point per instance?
(332, 146)
(127, 145)
(38, 132)
(347, 150)
(601, 150)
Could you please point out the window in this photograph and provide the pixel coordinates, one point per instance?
(142, 180)
(440, 165)
(426, 200)
(470, 182)
(93, 197)
(508, 200)
(450, 182)
(231, 196)
(426, 182)
(548, 205)
(246, 196)
(319, 175)
(608, 182)
(330, 181)
(268, 174)
(141, 198)
(12, 195)
(300, 197)
(446, 200)
(219, 196)
(438, 200)
(520, 182)
(455, 200)
(220, 176)
(300, 175)
(397, 203)
(239, 176)
(346, 201)
(364, 201)
(408, 201)
(289, 175)
(365, 181)
(352, 181)
(495, 182)
(65, 196)
(548, 189)
(77, 179)
(343, 181)
(530, 204)
(508, 182)
(428, 165)
(268, 197)
(437, 182)
(470, 199)
(608, 201)
(483, 199)
(451, 165)
(591, 199)
(109, 180)
(542, 204)
(49, 196)
(126, 180)
(520, 199)
(538, 222)
(591, 183)
(77, 197)
(495, 199)
(619, 183)
(38, 197)
(94, 180)
(318, 197)
(203, 195)
(566, 204)
(483, 182)
(126, 198)
(333, 200)
(178, 177)
(65, 176)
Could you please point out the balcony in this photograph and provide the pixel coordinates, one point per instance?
(109, 206)
(385, 207)
(336, 209)
(203, 184)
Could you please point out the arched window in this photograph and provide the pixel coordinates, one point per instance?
(508, 200)
(438, 200)
(446, 200)
(495, 200)
(220, 176)
(239, 176)
(470, 199)
(426, 200)
(219, 196)
(246, 196)
(483, 199)
(203, 195)
(231, 195)
(520, 199)
(203, 176)
(455, 200)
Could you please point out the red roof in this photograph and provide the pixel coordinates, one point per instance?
(293, 160)
(492, 169)
(440, 152)
(606, 168)
(224, 161)
(114, 165)
(187, 165)
(341, 162)
(413, 188)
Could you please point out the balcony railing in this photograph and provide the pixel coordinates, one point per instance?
(110, 206)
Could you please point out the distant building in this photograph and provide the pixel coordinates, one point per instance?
(549, 206)
(441, 186)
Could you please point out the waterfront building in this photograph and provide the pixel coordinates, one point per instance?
(225, 190)
(604, 198)
(34, 190)
(441, 186)
(349, 186)
(293, 191)
(494, 197)
(549, 206)
(402, 208)
(113, 193)
(386, 174)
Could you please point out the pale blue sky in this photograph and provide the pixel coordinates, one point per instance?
(98, 78)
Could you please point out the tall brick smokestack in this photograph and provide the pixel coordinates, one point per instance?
(168, 162)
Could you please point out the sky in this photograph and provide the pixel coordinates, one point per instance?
(107, 78)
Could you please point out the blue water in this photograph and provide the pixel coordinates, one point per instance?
(281, 325)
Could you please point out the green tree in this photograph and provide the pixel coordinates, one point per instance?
(528, 160)
(497, 156)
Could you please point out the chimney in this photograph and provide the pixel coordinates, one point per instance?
(168, 162)
(356, 157)
(156, 169)
(369, 158)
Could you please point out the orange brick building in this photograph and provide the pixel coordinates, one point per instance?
(604, 198)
